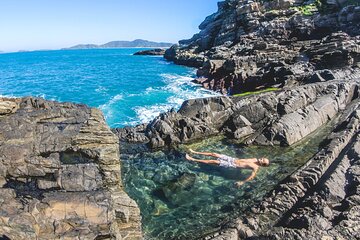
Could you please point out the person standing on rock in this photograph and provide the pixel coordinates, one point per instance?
(226, 161)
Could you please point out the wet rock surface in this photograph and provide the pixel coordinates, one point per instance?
(257, 44)
(60, 174)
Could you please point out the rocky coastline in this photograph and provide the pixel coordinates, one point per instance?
(60, 169)
(248, 45)
(308, 50)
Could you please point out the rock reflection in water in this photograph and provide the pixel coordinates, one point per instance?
(181, 199)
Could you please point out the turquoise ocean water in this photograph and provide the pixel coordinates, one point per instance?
(128, 89)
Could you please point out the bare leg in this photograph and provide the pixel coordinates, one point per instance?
(206, 153)
(213, 162)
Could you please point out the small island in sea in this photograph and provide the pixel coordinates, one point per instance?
(95, 142)
(138, 43)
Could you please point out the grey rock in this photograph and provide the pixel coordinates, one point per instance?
(239, 48)
(60, 174)
(152, 52)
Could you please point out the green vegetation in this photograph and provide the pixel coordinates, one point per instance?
(256, 92)
(309, 9)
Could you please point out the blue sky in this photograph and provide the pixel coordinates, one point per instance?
(53, 24)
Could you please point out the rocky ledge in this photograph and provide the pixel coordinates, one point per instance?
(322, 197)
(321, 200)
(60, 174)
(251, 44)
(281, 117)
(152, 52)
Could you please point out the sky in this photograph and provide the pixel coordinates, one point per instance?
(54, 24)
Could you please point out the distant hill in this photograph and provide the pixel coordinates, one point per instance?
(138, 43)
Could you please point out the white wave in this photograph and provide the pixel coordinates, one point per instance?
(180, 87)
(41, 95)
(107, 107)
(147, 113)
(149, 90)
(7, 96)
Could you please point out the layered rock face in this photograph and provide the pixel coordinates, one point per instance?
(319, 200)
(60, 174)
(280, 118)
(256, 44)
(314, 57)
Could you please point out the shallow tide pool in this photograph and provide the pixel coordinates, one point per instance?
(183, 200)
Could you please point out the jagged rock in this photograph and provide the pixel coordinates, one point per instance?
(255, 44)
(275, 118)
(60, 174)
(316, 200)
(321, 76)
(319, 199)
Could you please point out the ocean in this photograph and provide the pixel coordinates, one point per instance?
(129, 89)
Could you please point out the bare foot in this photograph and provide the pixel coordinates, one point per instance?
(192, 151)
(239, 184)
(188, 157)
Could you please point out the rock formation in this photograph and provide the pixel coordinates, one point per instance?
(315, 59)
(310, 50)
(60, 174)
(319, 200)
(282, 118)
(60, 169)
(256, 44)
(152, 52)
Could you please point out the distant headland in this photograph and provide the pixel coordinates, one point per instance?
(138, 43)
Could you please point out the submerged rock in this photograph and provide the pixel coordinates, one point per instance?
(177, 188)
(60, 174)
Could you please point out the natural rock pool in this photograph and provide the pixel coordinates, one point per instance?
(179, 199)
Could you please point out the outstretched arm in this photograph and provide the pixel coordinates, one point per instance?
(213, 162)
(251, 177)
(205, 153)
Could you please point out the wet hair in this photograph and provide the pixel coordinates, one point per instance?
(264, 162)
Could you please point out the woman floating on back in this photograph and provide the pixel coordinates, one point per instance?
(226, 161)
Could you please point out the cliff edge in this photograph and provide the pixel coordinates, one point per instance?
(252, 44)
(60, 174)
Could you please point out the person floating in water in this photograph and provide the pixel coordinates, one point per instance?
(226, 161)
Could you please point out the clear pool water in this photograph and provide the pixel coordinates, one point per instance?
(184, 200)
